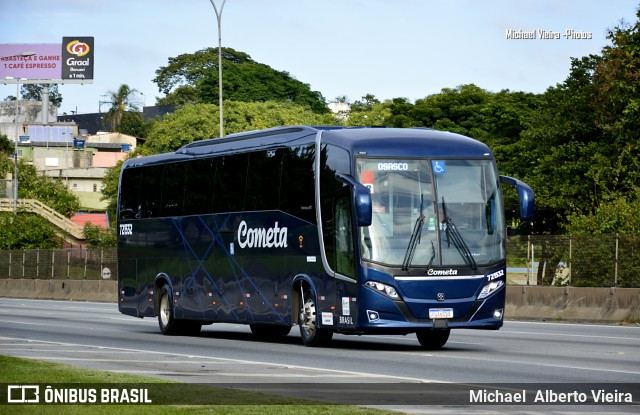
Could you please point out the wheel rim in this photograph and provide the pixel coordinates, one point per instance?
(308, 317)
(165, 311)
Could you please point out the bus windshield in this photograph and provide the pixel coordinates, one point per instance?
(432, 212)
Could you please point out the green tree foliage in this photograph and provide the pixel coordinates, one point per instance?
(368, 112)
(26, 231)
(193, 78)
(98, 237)
(198, 122)
(52, 192)
(582, 151)
(132, 124)
(6, 145)
(33, 92)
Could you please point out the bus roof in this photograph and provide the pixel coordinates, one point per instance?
(369, 141)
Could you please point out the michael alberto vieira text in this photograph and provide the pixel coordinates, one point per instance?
(549, 396)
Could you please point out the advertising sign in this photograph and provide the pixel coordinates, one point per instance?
(30, 61)
(77, 58)
(68, 62)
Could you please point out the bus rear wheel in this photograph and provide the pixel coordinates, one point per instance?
(169, 325)
(311, 334)
(433, 339)
(166, 319)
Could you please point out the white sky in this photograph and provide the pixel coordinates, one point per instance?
(390, 48)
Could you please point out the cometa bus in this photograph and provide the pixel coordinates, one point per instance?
(347, 230)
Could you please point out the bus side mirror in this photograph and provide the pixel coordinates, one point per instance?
(525, 194)
(361, 200)
(362, 203)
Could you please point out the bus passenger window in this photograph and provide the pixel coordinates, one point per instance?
(130, 194)
(151, 191)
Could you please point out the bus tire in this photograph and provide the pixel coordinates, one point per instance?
(433, 339)
(311, 334)
(267, 331)
(166, 319)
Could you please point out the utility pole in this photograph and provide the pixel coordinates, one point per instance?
(219, 17)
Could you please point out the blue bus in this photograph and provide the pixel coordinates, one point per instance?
(347, 230)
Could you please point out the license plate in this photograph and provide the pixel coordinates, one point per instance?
(441, 313)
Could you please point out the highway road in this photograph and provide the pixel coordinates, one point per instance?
(96, 335)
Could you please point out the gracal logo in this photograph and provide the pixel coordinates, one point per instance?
(75, 47)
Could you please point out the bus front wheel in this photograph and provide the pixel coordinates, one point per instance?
(311, 334)
(433, 339)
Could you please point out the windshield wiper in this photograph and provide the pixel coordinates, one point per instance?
(453, 235)
(415, 237)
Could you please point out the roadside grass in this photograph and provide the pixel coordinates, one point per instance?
(18, 371)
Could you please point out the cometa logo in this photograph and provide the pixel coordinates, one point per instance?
(75, 47)
(274, 237)
(443, 272)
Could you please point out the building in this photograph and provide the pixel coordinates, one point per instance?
(80, 162)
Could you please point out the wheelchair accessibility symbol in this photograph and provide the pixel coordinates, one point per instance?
(438, 167)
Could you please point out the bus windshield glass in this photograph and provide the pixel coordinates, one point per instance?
(432, 212)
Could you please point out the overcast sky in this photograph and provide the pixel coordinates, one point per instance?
(389, 48)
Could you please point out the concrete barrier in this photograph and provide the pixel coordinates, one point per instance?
(522, 302)
(573, 303)
(74, 290)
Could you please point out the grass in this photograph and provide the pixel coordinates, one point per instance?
(18, 371)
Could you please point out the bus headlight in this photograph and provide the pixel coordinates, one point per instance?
(490, 288)
(385, 289)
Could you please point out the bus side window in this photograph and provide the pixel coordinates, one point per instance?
(130, 193)
(198, 192)
(230, 183)
(263, 180)
(297, 196)
(173, 189)
(151, 191)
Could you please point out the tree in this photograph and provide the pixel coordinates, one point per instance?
(121, 101)
(26, 231)
(200, 121)
(193, 78)
(33, 92)
(6, 146)
(52, 192)
(97, 237)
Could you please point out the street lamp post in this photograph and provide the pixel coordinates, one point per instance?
(15, 158)
(219, 17)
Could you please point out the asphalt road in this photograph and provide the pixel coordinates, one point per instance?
(96, 335)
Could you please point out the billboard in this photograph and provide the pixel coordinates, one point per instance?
(68, 62)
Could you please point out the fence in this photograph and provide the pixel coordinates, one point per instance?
(610, 260)
(75, 263)
(578, 260)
